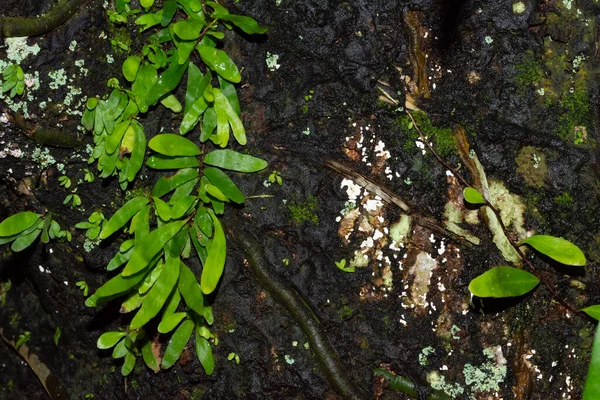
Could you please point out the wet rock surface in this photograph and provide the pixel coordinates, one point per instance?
(521, 83)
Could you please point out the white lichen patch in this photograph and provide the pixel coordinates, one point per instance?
(511, 207)
(421, 271)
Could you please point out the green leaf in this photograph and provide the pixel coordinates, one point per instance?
(128, 364)
(223, 107)
(247, 24)
(181, 206)
(158, 295)
(165, 185)
(170, 144)
(209, 123)
(190, 290)
(119, 259)
(170, 321)
(122, 216)
(503, 282)
(162, 208)
(115, 287)
(188, 29)
(17, 223)
(108, 339)
(472, 196)
(169, 10)
(215, 261)
(171, 103)
(592, 383)
(150, 246)
(151, 278)
(130, 67)
(172, 303)
(204, 354)
(230, 93)
(25, 240)
(160, 161)
(204, 221)
(593, 311)
(216, 193)
(149, 357)
(120, 350)
(196, 84)
(146, 3)
(165, 83)
(558, 249)
(232, 160)
(218, 61)
(177, 344)
(225, 184)
(133, 302)
(139, 151)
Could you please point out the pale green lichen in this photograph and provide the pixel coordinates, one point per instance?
(59, 78)
(438, 382)
(487, 376)
(43, 157)
(271, 61)
(400, 230)
(18, 49)
(424, 354)
(289, 359)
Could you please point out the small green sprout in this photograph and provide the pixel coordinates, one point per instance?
(23, 338)
(309, 95)
(65, 181)
(83, 286)
(233, 356)
(74, 199)
(578, 137)
(286, 261)
(89, 396)
(89, 176)
(14, 80)
(275, 177)
(342, 266)
(57, 334)
(93, 226)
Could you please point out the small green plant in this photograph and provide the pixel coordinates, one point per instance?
(179, 218)
(93, 226)
(83, 286)
(65, 181)
(22, 229)
(578, 137)
(89, 176)
(275, 177)
(233, 357)
(74, 199)
(23, 338)
(57, 334)
(14, 80)
(342, 266)
(505, 281)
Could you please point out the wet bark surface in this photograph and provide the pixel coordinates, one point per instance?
(522, 83)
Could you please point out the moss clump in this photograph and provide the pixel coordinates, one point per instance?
(565, 200)
(528, 72)
(572, 110)
(442, 138)
(302, 212)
